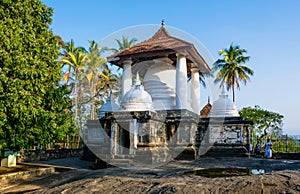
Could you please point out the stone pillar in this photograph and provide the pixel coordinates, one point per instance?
(181, 83)
(193, 129)
(113, 139)
(195, 90)
(133, 136)
(126, 77)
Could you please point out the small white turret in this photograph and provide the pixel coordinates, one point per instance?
(137, 99)
(223, 107)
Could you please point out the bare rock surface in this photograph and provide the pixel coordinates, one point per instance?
(282, 176)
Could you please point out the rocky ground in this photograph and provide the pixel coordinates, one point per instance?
(282, 176)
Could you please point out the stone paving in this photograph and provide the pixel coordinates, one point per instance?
(69, 162)
(283, 176)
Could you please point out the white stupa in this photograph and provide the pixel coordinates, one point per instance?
(108, 107)
(137, 99)
(223, 107)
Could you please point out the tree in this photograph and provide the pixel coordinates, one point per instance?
(95, 64)
(125, 43)
(265, 123)
(230, 70)
(68, 51)
(33, 106)
(76, 62)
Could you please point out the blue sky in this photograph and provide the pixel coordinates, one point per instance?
(268, 29)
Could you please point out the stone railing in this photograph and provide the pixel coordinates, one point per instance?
(40, 155)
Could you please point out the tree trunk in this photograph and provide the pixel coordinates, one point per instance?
(92, 93)
(76, 98)
(233, 93)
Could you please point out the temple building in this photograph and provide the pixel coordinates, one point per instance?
(222, 130)
(158, 118)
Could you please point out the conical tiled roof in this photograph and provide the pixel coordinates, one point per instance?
(205, 110)
(159, 45)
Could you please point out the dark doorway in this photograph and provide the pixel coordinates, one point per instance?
(124, 139)
(126, 142)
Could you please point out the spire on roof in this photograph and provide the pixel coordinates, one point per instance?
(208, 100)
(163, 22)
(162, 32)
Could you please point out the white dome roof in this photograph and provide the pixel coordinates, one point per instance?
(223, 107)
(137, 99)
(109, 106)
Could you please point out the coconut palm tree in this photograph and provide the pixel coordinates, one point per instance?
(96, 65)
(68, 51)
(76, 63)
(125, 43)
(70, 47)
(230, 71)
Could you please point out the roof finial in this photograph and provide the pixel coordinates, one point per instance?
(137, 80)
(208, 100)
(163, 22)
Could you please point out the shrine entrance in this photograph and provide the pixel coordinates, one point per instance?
(123, 139)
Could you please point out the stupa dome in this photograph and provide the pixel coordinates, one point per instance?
(137, 99)
(223, 107)
(109, 106)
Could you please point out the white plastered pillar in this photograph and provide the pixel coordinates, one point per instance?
(181, 83)
(126, 77)
(195, 90)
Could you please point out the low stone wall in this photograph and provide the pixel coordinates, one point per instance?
(291, 156)
(24, 175)
(42, 155)
(227, 151)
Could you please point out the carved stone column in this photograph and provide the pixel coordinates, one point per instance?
(113, 139)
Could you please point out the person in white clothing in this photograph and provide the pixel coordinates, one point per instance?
(268, 149)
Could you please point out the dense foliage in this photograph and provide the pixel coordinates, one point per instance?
(265, 123)
(33, 106)
(87, 75)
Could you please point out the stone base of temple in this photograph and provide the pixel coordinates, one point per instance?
(100, 164)
(153, 156)
(227, 151)
(188, 153)
(128, 139)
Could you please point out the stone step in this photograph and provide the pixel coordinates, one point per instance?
(226, 151)
(121, 162)
(122, 157)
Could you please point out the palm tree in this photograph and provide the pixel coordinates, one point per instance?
(230, 70)
(76, 63)
(125, 43)
(68, 48)
(74, 58)
(95, 66)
